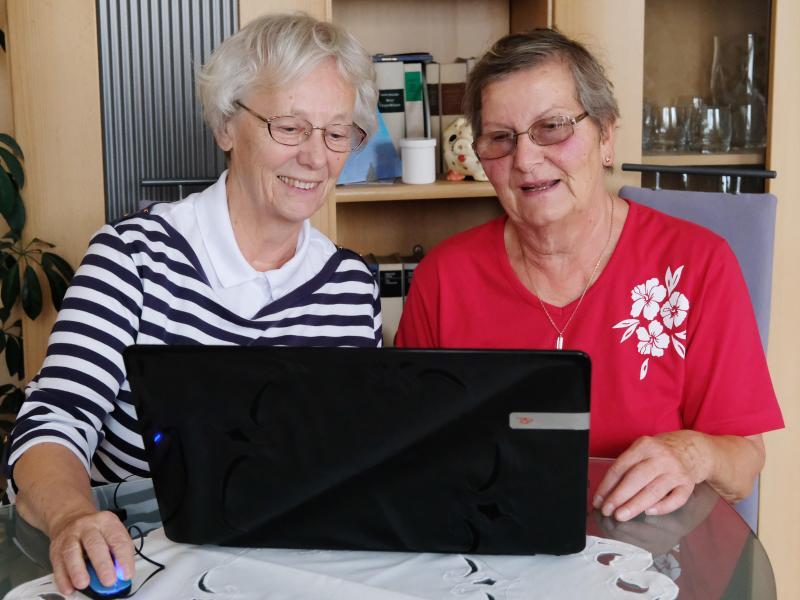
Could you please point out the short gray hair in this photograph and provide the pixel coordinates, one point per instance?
(276, 49)
(520, 51)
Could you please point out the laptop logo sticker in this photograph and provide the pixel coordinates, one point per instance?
(543, 420)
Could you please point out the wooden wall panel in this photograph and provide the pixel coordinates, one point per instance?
(52, 49)
(250, 9)
(780, 483)
(446, 29)
(614, 32)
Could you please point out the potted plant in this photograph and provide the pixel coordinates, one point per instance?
(22, 264)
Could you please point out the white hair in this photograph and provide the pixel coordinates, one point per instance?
(274, 50)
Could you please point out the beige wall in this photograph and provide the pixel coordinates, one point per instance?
(52, 49)
(780, 487)
(598, 24)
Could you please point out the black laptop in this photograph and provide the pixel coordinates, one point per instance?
(464, 451)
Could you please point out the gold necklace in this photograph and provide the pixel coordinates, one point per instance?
(560, 332)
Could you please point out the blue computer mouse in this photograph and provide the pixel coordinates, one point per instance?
(102, 592)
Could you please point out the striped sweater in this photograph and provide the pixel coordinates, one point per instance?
(141, 283)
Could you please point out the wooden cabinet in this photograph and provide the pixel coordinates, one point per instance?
(678, 55)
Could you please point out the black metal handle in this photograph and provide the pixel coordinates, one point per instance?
(172, 182)
(713, 171)
(179, 183)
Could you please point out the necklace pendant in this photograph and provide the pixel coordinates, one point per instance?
(560, 342)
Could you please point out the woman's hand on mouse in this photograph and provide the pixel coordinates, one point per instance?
(101, 537)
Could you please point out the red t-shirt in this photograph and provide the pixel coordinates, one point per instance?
(668, 325)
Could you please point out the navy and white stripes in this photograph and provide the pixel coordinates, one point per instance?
(140, 282)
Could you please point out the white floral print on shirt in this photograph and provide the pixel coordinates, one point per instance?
(661, 321)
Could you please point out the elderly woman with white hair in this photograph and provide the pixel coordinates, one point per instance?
(287, 98)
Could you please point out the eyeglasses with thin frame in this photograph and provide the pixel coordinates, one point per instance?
(293, 131)
(545, 132)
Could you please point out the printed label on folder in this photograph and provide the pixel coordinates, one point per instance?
(540, 420)
(390, 101)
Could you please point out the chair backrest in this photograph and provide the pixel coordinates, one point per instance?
(747, 222)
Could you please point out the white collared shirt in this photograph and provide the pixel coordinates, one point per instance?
(203, 219)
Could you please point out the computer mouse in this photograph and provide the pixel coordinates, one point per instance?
(98, 591)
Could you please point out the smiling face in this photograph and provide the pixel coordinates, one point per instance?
(543, 185)
(287, 183)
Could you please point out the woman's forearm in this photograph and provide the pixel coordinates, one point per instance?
(53, 487)
(735, 463)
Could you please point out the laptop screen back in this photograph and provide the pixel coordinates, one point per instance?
(475, 451)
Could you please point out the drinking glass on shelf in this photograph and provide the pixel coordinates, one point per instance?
(669, 129)
(748, 108)
(749, 124)
(712, 132)
(692, 105)
(647, 126)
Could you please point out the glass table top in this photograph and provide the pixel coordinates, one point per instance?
(705, 546)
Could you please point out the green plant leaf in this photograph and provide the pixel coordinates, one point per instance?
(10, 286)
(5, 388)
(8, 195)
(58, 285)
(14, 358)
(52, 261)
(31, 293)
(2, 347)
(12, 143)
(42, 242)
(16, 220)
(14, 167)
(5, 312)
(13, 401)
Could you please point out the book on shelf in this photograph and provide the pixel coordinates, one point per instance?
(452, 85)
(394, 274)
(434, 116)
(390, 79)
(420, 57)
(414, 105)
(446, 83)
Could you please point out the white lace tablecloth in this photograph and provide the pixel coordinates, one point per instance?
(605, 569)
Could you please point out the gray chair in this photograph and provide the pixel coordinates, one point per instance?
(747, 222)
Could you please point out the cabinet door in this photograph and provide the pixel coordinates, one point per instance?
(614, 32)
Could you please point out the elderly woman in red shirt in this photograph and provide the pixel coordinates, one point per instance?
(680, 388)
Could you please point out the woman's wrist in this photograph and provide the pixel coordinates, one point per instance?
(735, 462)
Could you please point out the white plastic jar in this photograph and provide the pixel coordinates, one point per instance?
(419, 159)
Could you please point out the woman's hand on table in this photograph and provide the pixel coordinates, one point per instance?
(99, 536)
(656, 475)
